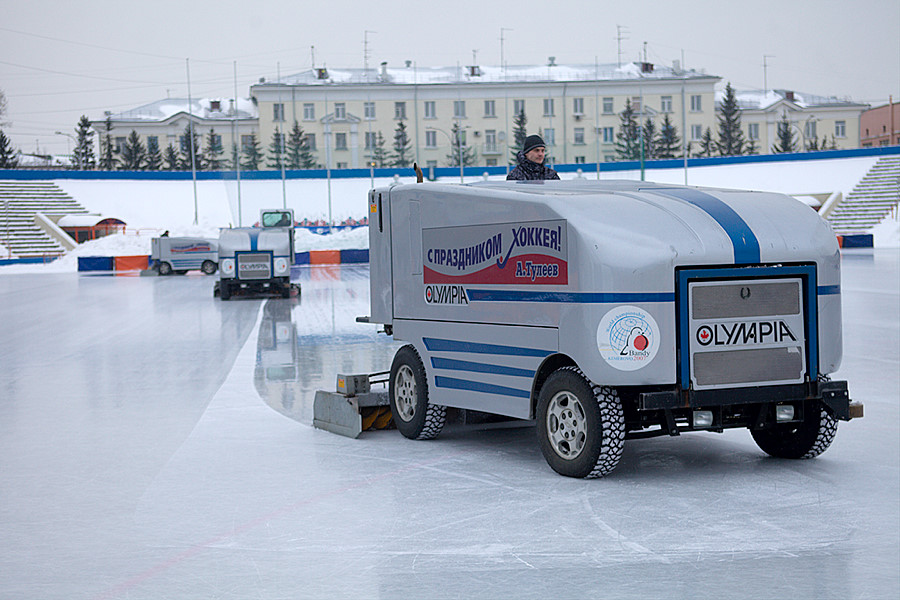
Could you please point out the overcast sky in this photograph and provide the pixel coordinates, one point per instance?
(60, 59)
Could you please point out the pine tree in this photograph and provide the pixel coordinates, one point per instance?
(751, 148)
(707, 144)
(628, 145)
(519, 134)
(235, 157)
(668, 143)
(154, 157)
(8, 158)
(253, 155)
(786, 142)
(298, 153)
(459, 149)
(84, 145)
(402, 145)
(649, 139)
(731, 138)
(107, 160)
(276, 150)
(212, 152)
(379, 152)
(190, 141)
(133, 153)
(170, 156)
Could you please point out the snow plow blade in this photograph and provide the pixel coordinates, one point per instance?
(354, 408)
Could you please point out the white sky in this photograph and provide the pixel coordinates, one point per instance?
(61, 59)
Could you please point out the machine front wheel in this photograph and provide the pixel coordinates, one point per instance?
(807, 439)
(581, 427)
(408, 392)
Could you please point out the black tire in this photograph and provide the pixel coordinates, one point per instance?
(224, 290)
(165, 268)
(580, 426)
(408, 392)
(208, 267)
(806, 439)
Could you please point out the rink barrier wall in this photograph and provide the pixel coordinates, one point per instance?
(857, 240)
(440, 172)
(141, 262)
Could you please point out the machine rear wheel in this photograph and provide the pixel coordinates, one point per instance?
(165, 268)
(806, 439)
(208, 267)
(408, 392)
(581, 427)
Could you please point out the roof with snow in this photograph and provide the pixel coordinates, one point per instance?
(762, 100)
(205, 108)
(411, 74)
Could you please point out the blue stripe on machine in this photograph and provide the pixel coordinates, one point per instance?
(568, 297)
(828, 290)
(464, 365)
(475, 386)
(439, 345)
(746, 246)
(254, 240)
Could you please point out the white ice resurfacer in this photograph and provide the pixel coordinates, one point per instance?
(610, 310)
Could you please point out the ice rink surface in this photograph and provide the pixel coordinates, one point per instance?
(156, 443)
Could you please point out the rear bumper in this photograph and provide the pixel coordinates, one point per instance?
(833, 394)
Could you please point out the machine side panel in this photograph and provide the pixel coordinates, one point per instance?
(489, 368)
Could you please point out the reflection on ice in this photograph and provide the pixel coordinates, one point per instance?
(305, 342)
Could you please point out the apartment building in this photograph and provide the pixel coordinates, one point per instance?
(880, 126)
(816, 121)
(575, 108)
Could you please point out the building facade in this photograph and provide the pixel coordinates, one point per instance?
(575, 108)
(880, 126)
(816, 122)
(163, 123)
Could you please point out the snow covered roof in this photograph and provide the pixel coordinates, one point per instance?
(762, 100)
(410, 74)
(206, 108)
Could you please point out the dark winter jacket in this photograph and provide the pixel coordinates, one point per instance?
(530, 170)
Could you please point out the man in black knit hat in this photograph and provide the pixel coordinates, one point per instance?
(531, 161)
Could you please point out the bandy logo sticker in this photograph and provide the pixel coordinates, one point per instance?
(628, 338)
(527, 254)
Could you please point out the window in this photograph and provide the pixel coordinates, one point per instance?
(459, 109)
(371, 136)
(696, 132)
(579, 135)
(216, 140)
(310, 141)
(490, 108)
(548, 107)
(340, 165)
(430, 138)
(696, 104)
(278, 140)
(246, 142)
(152, 143)
(636, 104)
(608, 106)
(340, 110)
(809, 130)
(340, 141)
(579, 160)
(430, 112)
(665, 104)
(278, 112)
(369, 110)
(753, 131)
(609, 135)
(490, 162)
(840, 129)
(309, 111)
(120, 142)
(399, 110)
(549, 136)
(490, 140)
(578, 106)
(518, 106)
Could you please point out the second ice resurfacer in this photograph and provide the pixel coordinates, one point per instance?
(610, 310)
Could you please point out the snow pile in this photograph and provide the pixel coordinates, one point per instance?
(887, 233)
